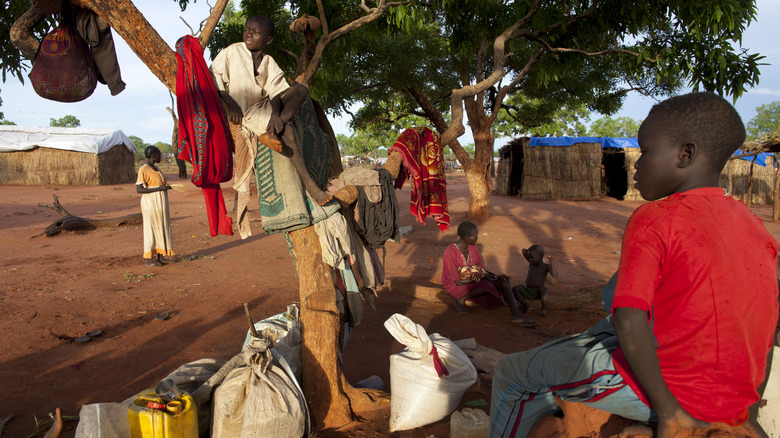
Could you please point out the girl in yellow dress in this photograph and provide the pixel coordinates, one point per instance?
(153, 186)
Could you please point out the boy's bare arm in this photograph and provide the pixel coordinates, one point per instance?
(636, 341)
(551, 267)
(234, 111)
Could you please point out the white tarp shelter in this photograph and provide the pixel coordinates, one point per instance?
(78, 156)
(22, 138)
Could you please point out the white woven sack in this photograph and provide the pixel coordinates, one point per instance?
(418, 395)
(259, 400)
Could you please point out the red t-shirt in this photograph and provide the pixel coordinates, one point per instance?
(704, 267)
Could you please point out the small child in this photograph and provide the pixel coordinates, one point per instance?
(534, 287)
(259, 98)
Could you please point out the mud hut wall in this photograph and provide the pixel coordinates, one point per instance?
(736, 176)
(632, 156)
(562, 172)
(42, 166)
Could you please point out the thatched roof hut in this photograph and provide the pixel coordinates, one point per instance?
(40, 156)
(752, 175)
(567, 168)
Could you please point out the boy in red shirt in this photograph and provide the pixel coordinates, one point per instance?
(687, 348)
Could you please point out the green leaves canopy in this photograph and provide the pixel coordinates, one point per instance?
(766, 122)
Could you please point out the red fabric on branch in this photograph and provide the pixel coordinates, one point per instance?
(423, 160)
(204, 134)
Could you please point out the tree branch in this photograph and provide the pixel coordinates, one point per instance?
(211, 22)
(372, 14)
(456, 128)
(505, 90)
(323, 19)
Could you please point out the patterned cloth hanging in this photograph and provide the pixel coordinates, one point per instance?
(423, 160)
(204, 135)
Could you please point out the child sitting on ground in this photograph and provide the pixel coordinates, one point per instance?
(534, 287)
(259, 98)
(684, 350)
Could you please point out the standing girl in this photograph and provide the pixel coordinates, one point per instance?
(154, 208)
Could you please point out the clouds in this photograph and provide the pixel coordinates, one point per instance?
(764, 92)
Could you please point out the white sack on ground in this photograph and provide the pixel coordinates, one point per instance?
(418, 396)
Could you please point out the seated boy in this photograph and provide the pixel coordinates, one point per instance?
(259, 98)
(534, 287)
(685, 350)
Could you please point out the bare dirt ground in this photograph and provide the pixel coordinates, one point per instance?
(53, 288)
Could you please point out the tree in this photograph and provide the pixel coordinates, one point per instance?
(3, 120)
(538, 117)
(766, 122)
(139, 147)
(617, 127)
(332, 400)
(65, 122)
(365, 144)
(166, 150)
(593, 52)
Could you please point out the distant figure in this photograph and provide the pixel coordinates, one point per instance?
(534, 287)
(154, 208)
(260, 99)
(465, 278)
(684, 351)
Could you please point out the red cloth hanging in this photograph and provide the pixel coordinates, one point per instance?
(423, 160)
(204, 134)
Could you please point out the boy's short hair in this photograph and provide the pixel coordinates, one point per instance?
(705, 119)
(264, 22)
(539, 249)
(150, 150)
(466, 228)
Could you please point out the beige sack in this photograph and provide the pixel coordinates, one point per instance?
(258, 400)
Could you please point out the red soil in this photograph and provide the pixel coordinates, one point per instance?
(67, 285)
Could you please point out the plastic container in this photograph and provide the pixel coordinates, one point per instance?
(469, 423)
(153, 423)
(373, 382)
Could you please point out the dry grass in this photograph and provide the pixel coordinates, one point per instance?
(43, 166)
(736, 179)
(555, 172)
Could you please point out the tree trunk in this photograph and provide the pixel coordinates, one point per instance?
(143, 39)
(478, 175)
(323, 382)
(479, 192)
(68, 222)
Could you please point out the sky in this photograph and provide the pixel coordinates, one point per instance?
(140, 110)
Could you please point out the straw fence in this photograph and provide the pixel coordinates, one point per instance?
(736, 178)
(42, 166)
(555, 172)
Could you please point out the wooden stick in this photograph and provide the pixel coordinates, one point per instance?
(249, 318)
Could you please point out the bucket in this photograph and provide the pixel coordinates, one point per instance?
(146, 422)
(469, 423)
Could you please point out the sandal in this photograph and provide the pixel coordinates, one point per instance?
(461, 308)
(525, 322)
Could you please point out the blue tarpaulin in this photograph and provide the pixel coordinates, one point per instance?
(619, 143)
(760, 158)
(606, 142)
